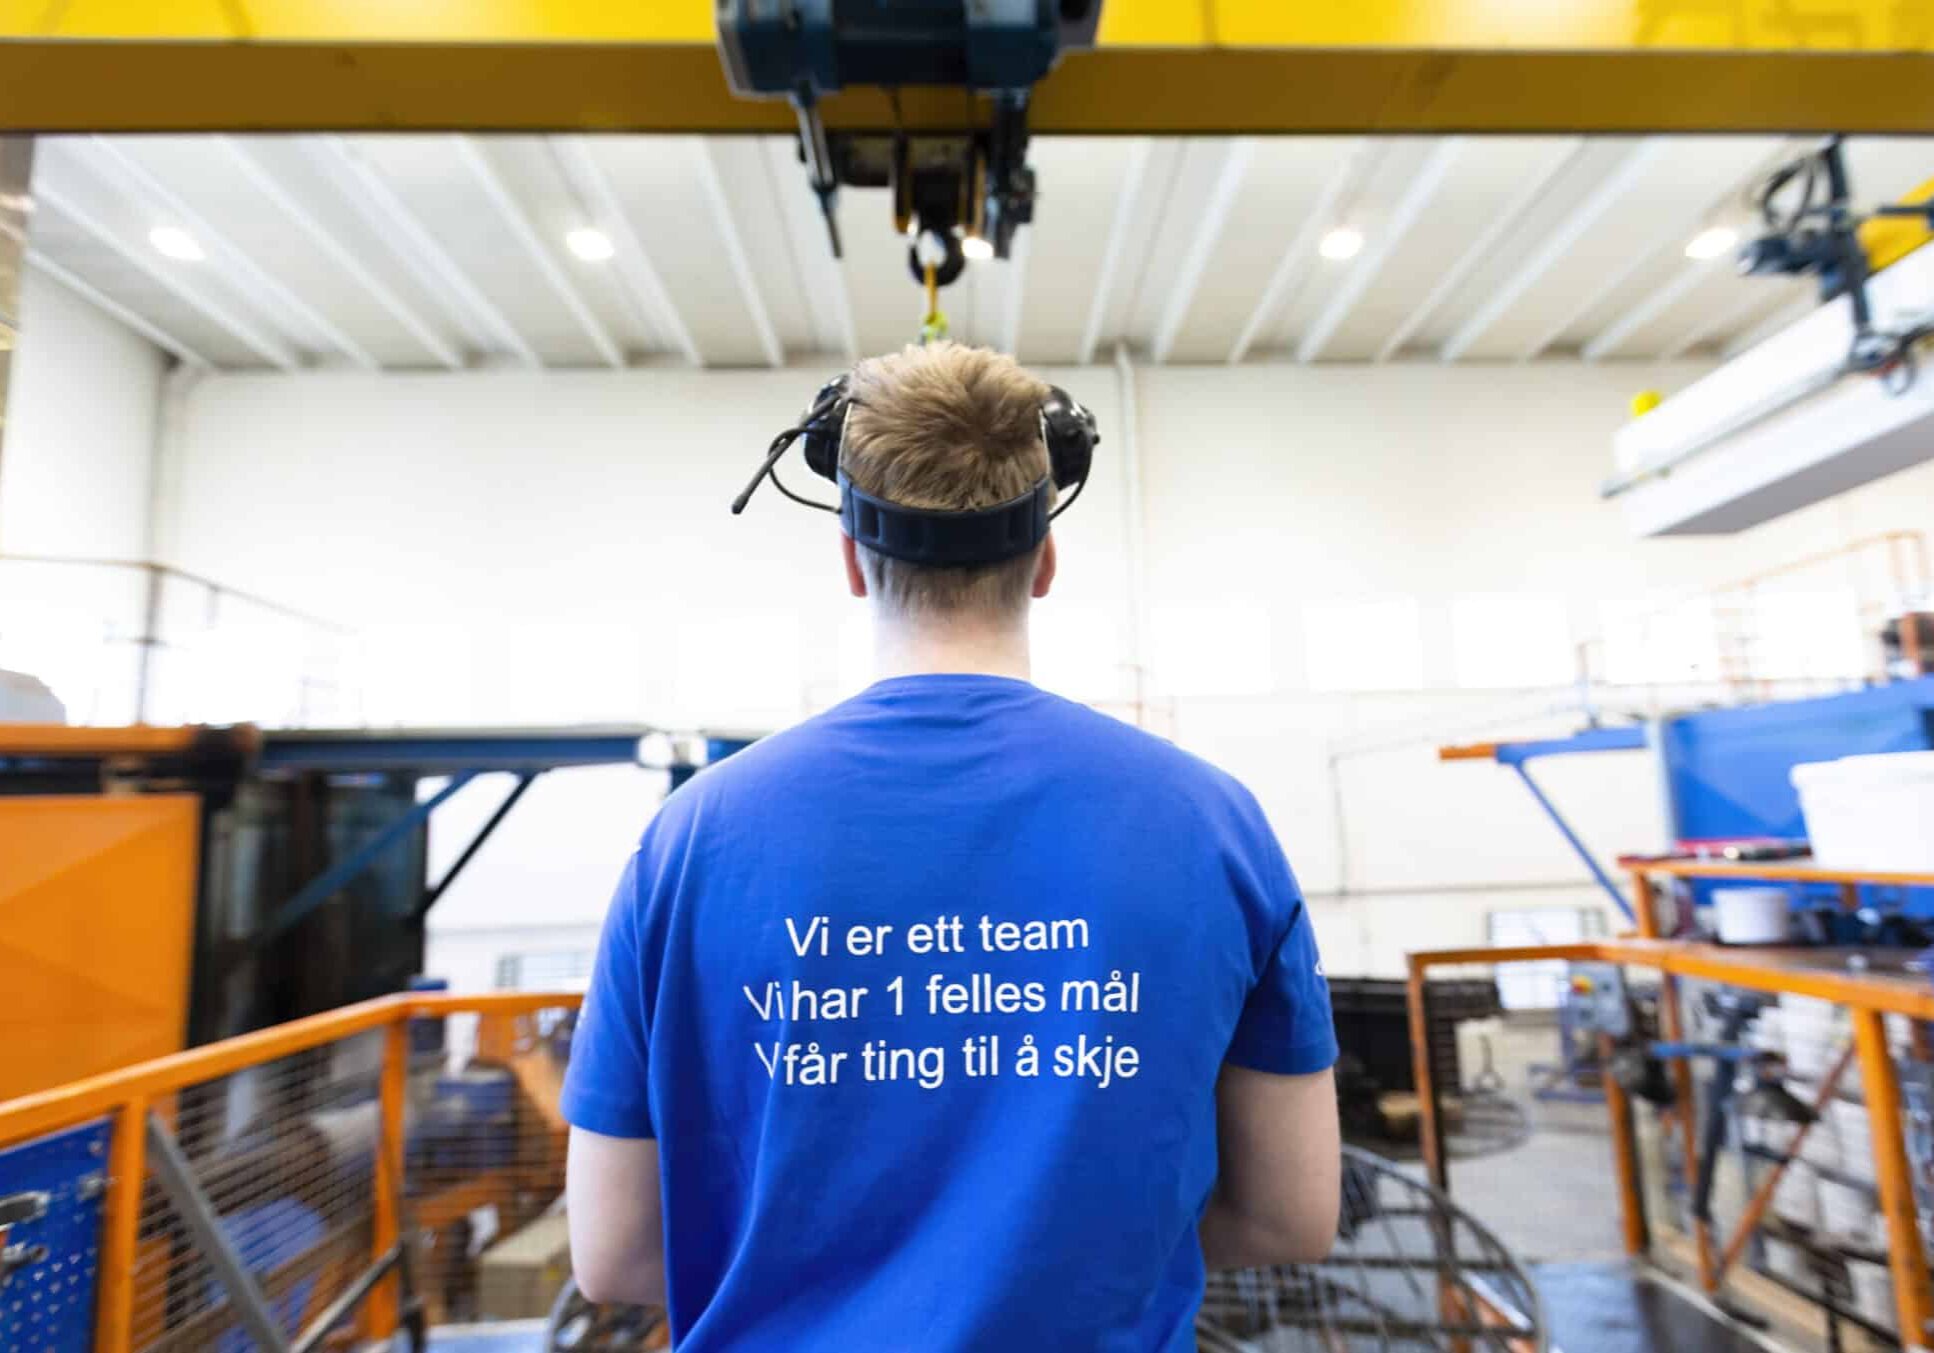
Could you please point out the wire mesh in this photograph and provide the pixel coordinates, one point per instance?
(1823, 1235)
(1409, 1270)
(284, 1153)
(484, 1168)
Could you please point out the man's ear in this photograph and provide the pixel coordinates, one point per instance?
(855, 575)
(1043, 571)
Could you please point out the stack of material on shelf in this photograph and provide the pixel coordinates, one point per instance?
(1796, 1198)
(1873, 1291)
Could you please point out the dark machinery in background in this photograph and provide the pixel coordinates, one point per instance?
(953, 194)
(1376, 1084)
(162, 888)
(1812, 230)
(305, 854)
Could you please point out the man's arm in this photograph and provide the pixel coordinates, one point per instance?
(1279, 1182)
(617, 1230)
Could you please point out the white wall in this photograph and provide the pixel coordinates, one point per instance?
(529, 547)
(83, 404)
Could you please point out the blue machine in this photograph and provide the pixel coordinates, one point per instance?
(1728, 773)
(1731, 770)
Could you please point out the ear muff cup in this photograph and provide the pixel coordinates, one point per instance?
(1070, 432)
(825, 425)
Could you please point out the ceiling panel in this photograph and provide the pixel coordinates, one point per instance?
(406, 252)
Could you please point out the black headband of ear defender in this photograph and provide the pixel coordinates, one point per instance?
(918, 535)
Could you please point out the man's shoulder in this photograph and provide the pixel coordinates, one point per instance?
(1107, 755)
(1118, 756)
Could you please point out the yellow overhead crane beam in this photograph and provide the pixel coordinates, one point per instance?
(1161, 66)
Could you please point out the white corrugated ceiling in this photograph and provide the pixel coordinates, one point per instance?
(399, 252)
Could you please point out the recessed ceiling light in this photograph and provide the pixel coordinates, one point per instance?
(1712, 242)
(976, 248)
(593, 246)
(176, 243)
(1344, 242)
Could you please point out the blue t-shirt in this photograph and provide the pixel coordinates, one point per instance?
(924, 1002)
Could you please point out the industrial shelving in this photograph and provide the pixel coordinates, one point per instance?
(1871, 984)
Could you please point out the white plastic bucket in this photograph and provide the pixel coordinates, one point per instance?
(1796, 1198)
(1873, 1291)
(1787, 1261)
(1870, 812)
(1810, 1053)
(1822, 1144)
(1751, 915)
(1845, 1210)
(1854, 1130)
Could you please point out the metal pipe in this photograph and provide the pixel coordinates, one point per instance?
(334, 1313)
(84, 561)
(1578, 846)
(1769, 1182)
(324, 885)
(197, 1214)
(476, 844)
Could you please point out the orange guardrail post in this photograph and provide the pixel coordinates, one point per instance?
(1685, 1105)
(1912, 1300)
(1618, 1108)
(1428, 1129)
(127, 1164)
(382, 1308)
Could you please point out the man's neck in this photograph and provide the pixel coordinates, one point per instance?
(904, 647)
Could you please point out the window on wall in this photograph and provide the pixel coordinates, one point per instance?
(1370, 645)
(1541, 985)
(1080, 650)
(1508, 641)
(730, 668)
(1644, 643)
(1805, 635)
(1211, 648)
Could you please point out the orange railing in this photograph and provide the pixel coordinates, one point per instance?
(298, 1085)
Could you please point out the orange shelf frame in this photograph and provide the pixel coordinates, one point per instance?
(1824, 974)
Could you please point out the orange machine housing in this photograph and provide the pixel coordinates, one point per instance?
(97, 917)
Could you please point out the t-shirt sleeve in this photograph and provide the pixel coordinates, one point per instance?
(1286, 1026)
(606, 1089)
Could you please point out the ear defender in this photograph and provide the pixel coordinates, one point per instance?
(953, 539)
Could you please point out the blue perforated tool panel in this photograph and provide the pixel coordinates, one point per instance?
(47, 1300)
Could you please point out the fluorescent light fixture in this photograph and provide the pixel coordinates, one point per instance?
(1712, 242)
(1343, 242)
(593, 246)
(176, 243)
(976, 248)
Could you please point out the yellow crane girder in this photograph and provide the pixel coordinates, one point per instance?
(1161, 66)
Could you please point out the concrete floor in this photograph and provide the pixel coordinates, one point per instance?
(1552, 1199)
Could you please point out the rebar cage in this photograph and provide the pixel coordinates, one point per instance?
(1409, 1270)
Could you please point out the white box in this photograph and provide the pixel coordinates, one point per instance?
(1870, 812)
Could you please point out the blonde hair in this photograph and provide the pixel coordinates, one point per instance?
(951, 427)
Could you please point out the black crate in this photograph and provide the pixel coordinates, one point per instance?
(1373, 1026)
